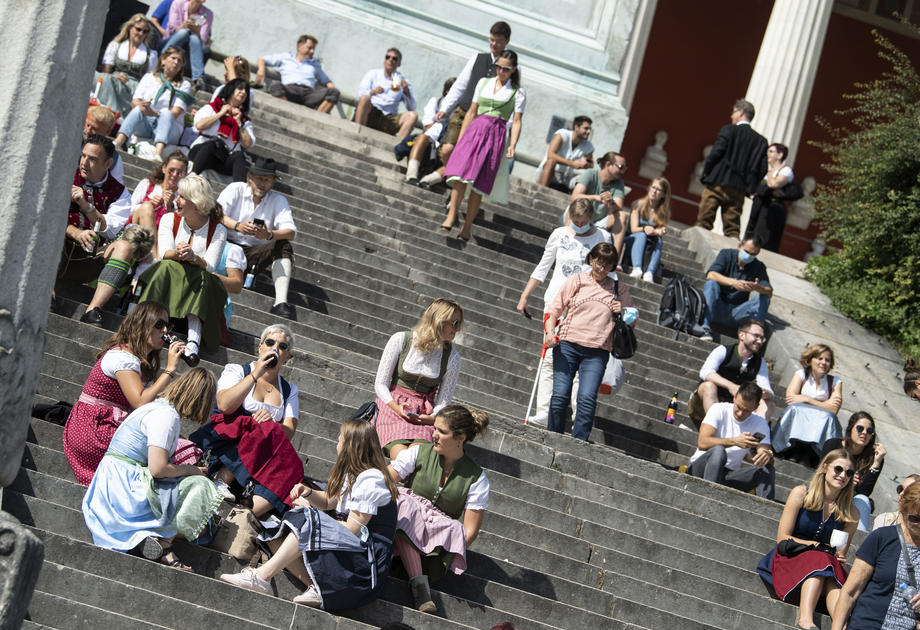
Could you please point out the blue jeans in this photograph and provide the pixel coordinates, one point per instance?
(196, 50)
(730, 315)
(637, 241)
(163, 128)
(570, 359)
(861, 503)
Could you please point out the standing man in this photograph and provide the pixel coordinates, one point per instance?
(300, 73)
(568, 151)
(737, 162)
(379, 95)
(259, 220)
(731, 278)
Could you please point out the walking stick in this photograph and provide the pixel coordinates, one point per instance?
(536, 381)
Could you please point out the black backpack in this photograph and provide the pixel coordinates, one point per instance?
(681, 307)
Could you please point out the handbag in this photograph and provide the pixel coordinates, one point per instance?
(624, 338)
(237, 532)
(220, 150)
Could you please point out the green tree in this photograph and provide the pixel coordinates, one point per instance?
(871, 205)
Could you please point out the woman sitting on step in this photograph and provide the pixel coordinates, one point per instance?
(814, 398)
(648, 223)
(155, 195)
(416, 377)
(139, 498)
(804, 566)
(225, 131)
(249, 439)
(442, 501)
(343, 560)
(189, 245)
(126, 376)
(125, 61)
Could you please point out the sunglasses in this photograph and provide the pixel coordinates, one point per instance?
(141, 29)
(392, 58)
(161, 324)
(500, 68)
(839, 470)
(455, 323)
(859, 429)
(622, 167)
(913, 519)
(282, 345)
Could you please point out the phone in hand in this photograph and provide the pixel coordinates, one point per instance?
(759, 436)
(258, 223)
(412, 415)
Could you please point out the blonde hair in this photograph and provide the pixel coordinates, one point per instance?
(103, 116)
(360, 451)
(134, 19)
(661, 215)
(197, 189)
(141, 239)
(581, 207)
(192, 394)
(814, 497)
(428, 329)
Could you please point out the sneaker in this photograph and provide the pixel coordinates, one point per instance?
(249, 579)
(648, 277)
(706, 336)
(412, 181)
(224, 489)
(309, 597)
(538, 419)
(635, 273)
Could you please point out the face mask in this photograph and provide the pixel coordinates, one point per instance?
(745, 257)
(582, 229)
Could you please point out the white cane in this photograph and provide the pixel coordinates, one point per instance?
(533, 392)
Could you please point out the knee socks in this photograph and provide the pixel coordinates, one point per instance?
(194, 335)
(115, 272)
(412, 169)
(281, 276)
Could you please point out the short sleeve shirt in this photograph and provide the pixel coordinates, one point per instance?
(720, 416)
(366, 494)
(726, 263)
(881, 550)
(591, 180)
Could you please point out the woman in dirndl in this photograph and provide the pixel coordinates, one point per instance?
(344, 560)
(803, 566)
(126, 376)
(125, 61)
(416, 377)
(189, 245)
(477, 157)
(442, 501)
(137, 497)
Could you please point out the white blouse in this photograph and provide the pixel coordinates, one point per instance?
(211, 132)
(368, 493)
(428, 365)
(116, 360)
(818, 391)
(568, 252)
(211, 253)
(476, 499)
(120, 50)
(233, 374)
(503, 94)
(148, 87)
(161, 426)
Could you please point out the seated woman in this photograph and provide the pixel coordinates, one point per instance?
(138, 498)
(427, 150)
(442, 485)
(416, 377)
(159, 104)
(870, 599)
(189, 245)
(648, 223)
(250, 436)
(803, 565)
(225, 130)
(894, 518)
(126, 59)
(814, 398)
(126, 376)
(869, 456)
(343, 561)
(155, 195)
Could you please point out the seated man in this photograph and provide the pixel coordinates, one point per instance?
(260, 221)
(189, 27)
(379, 95)
(425, 145)
(732, 432)
(604, 186)
(728, 367)
(99, 209)
(300, 73)
(730, 279)
(568, 150)
(100, 121)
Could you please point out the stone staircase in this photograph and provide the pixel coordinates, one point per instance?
(578, 535)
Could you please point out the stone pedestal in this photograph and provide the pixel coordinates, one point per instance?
(655, 160)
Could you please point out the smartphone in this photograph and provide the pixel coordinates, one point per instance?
(412, 415)
(258, 222)
(759, 436)
(527, 314)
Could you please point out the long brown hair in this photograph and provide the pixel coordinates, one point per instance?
(360, 452)
(814, 497)
(466, 422)
(864, 460)
(192, 394)
(134, 334)
(660, 215)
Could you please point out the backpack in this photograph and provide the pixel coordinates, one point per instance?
(681, 307)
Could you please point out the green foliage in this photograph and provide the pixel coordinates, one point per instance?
(871, 205)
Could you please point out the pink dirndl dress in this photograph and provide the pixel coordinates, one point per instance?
(390, 427)
(479, 153)
(428, 528)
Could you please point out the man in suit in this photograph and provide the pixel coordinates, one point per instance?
(737, 162)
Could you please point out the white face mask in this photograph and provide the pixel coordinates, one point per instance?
(580, 230)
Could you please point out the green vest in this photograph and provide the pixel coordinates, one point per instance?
(489, 106)
(417, 382)
(451, 499)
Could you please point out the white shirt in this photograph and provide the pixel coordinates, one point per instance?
(366, 495)
(117, 360)
(236, 257)
(387, 101)
(563, 172)
(818, 391)
(503, 94)
(161, 425)
(118, 169)
(116, 217)
(721, 416)
(428, 365)
(211, 253)
(237, 203)
(715, 358)
(233, 374)
(211, 132)
(476, 499)
(148, 87)
(459, 87)
(121, 49)
(568, 252)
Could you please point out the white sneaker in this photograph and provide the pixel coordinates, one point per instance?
(249, 579)
(707, 336)
(309, 597)
(635, 273)
(648, 277)
(539, 419)
(224, 489)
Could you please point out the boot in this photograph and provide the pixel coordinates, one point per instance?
(422, 594)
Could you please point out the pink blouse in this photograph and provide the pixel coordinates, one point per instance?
(589, 321)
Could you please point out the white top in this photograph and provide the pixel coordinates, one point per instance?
(148, 87)
(568, 252)
(368, 493)
(459, 87)
(563, 172)
(431, 109)
(119, 210)
(237, 203)
(720, 416)
(428, 365)
(233, 374)
(476, 499)
(140, 193)
(387, 101)
(121, 49)
(211, 132)
(236, 257)
(715, 358)
(118, 169)
(211, 253)
(161, 426)
(503, 94)
(818, 391)
(118, 360)
(787, 171)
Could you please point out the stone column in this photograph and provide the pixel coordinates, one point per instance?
(50, 49)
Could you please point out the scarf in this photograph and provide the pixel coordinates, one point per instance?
(229, 127)
(185, 97)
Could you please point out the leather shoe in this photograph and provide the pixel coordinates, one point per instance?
(424, 185)
(412, 181)
(283, 310)
(92, 316)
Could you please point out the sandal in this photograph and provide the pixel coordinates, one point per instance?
(152, 549)
(446, 228)
(175, 563)
(461, 237)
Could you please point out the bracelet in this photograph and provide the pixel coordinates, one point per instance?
(311, 493)
(236, 228)
(169, 373)
(271, 235)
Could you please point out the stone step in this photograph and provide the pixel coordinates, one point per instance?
(46, 609)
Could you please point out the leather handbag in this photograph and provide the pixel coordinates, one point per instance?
(624, 339)
(236, 534)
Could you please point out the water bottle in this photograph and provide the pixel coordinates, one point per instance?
(250, 277)
(906, 591)
(672, 409)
